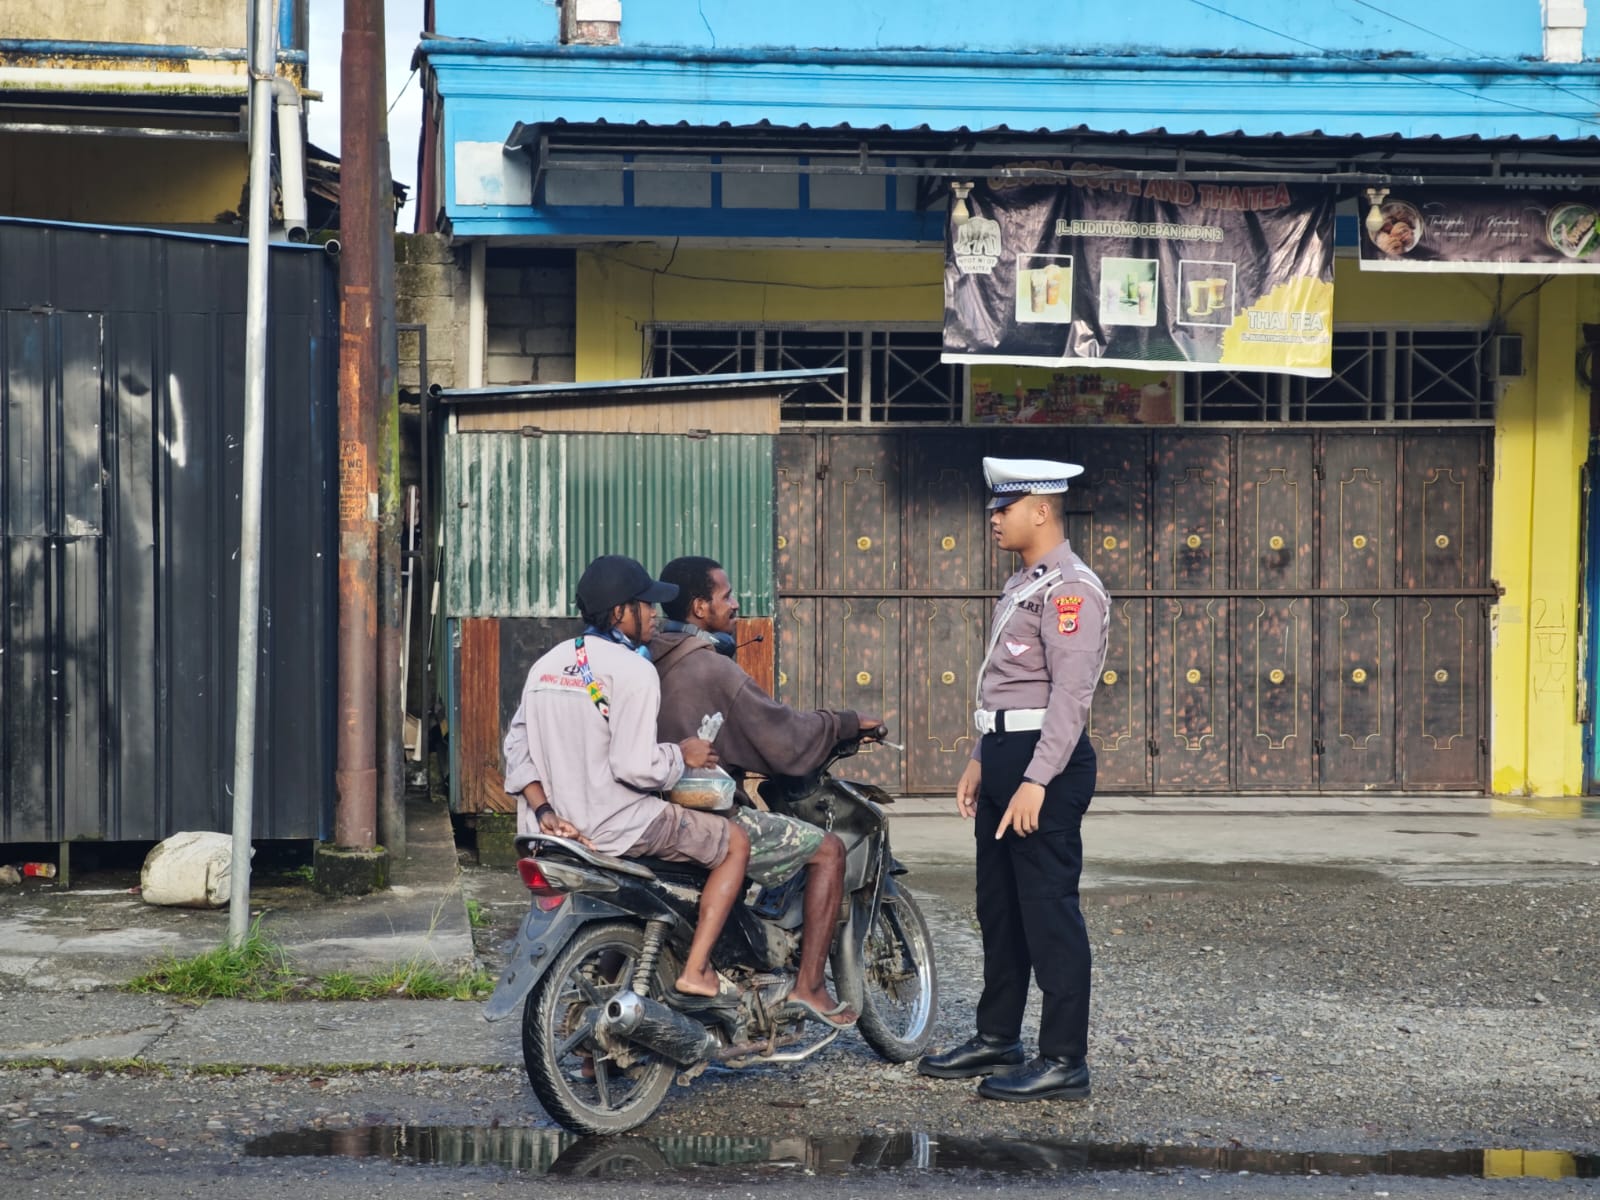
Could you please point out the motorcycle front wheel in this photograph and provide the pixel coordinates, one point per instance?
(576, 1081)
(894, 984)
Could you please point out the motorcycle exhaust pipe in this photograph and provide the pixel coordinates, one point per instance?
(656, 1027)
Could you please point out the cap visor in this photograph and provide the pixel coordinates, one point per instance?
(658, 592)
(1005, 501)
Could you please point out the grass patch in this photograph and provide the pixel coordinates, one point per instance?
(258, 969)
(477, 917)
(422, 981)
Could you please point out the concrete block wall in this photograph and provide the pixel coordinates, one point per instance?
(530, 302)
(431, 289)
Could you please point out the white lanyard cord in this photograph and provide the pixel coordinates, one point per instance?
(1044, 581)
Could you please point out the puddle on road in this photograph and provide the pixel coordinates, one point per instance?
(552, 1152)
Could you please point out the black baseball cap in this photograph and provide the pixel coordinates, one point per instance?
(614, 579)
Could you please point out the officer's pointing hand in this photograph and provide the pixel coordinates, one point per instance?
(1022, 814)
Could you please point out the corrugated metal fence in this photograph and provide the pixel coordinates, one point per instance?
(524, 515)
(121, 415)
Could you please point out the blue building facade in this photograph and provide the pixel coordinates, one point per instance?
(723, 186)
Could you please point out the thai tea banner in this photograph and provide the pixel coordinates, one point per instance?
(1154, 274)
(1499, 231)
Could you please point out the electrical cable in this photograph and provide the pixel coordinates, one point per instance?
(401, 93)
(1461, 91)
(1588, 100)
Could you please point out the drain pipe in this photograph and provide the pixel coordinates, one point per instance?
(291, 158)
(477, 329)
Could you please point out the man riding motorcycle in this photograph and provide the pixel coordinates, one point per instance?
(762, 736)
(581, 760)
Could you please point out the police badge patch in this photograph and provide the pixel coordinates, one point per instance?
(1067, 613)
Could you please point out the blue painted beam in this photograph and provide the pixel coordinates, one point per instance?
(619, 222)
(486, 92)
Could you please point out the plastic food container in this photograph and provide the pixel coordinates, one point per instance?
(709, 788)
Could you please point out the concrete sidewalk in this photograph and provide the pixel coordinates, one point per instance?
(1485, 839)
(62, 953)
(81, 939)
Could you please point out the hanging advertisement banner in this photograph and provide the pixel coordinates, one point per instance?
(1492, 231)
(1159, 275)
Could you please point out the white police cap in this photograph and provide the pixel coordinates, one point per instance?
(1010, 479)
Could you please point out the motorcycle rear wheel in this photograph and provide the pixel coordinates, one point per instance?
(574, 1079)
(894, 985)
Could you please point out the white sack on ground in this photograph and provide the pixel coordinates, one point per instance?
(189, 870)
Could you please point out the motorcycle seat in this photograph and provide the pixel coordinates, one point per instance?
(677, 872)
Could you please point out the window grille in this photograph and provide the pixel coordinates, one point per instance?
(1378, 375)
(894, 375)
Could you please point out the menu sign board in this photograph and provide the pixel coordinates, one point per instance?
(1498, 231)
(1154, 274)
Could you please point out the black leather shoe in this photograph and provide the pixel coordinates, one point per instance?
(1041, 1079)
(977, 1055)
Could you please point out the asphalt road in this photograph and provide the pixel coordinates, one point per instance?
(1253, 1024)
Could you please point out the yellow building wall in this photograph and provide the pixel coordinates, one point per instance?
(622, 289)
(120, 181)
(1541, 434)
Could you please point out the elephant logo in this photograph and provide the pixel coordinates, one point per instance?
(977, 246)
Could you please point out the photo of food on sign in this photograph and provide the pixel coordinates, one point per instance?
(1044, 288)
(1572, 229)
(1399, 229)
(1047, 396)
(1129, 292)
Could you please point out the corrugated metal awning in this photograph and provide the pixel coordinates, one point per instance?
(661, 387)
(1223, 156)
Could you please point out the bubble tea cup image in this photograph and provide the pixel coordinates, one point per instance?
(1038, 289)
(1217, 286)
(1052, 284)
(1199, 297)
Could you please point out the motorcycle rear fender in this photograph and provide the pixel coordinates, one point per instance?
(542, 936)
(539, 940)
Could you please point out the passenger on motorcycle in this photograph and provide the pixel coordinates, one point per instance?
(582, 760)
(693, 655)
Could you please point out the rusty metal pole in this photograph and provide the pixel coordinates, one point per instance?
(361, 106)
(391, 616)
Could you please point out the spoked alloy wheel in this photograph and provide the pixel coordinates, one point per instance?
(579, 1083)
(895, 986)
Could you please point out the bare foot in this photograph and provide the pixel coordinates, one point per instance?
(699, 983)
(820, 1003)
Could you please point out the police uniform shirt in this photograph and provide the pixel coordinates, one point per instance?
(1049, 654)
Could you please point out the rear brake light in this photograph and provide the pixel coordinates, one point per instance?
(547, 894)
(533, 875)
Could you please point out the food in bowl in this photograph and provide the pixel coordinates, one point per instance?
(1573, 230)
(1401, 228)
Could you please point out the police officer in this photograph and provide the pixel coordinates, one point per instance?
(1028, 785)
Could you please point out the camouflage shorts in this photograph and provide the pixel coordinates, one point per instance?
(779, 845)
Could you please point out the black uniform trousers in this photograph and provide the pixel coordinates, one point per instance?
(1027, 891)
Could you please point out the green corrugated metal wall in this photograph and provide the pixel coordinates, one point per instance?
(524, 515)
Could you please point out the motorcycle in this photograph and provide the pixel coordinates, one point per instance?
(604, 1032)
